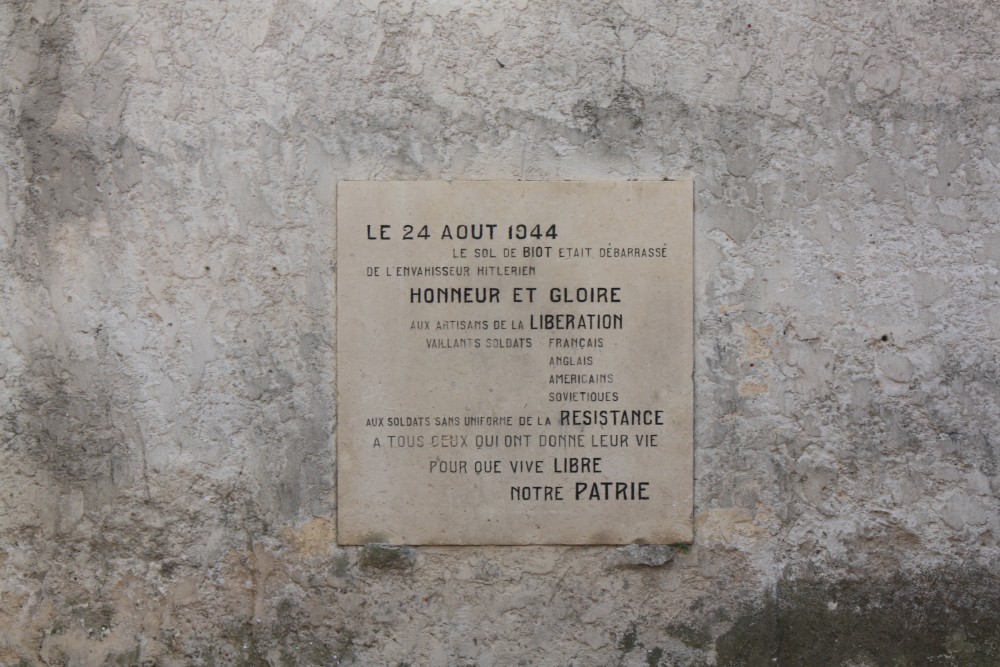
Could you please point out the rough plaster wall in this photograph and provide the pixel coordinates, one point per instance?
(166, 338)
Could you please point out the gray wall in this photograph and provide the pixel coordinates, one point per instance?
(167, 339)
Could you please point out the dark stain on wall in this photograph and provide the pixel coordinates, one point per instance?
(946, 616)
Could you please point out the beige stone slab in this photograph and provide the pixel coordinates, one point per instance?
(514, 362)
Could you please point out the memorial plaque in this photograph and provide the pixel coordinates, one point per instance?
(514, 362)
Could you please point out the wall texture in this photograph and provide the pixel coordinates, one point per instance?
(167, 460)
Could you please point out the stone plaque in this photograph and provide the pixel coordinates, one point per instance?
(514, 362)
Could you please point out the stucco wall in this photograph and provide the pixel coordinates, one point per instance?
(167, 340)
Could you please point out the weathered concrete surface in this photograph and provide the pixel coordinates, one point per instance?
(167, 173)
